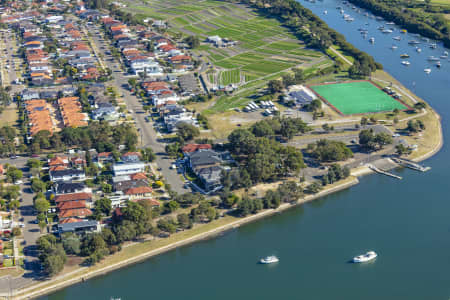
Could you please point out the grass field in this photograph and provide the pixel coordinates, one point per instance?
(357, 97)
(264, 47)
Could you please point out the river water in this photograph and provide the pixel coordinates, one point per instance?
(405, 221)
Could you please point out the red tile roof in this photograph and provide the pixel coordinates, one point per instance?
(79, 212)
(139, 190)
(71, 204)
(138, 176)
(73, 197)
(194, 147)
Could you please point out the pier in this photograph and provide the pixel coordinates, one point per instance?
(410, 164)
(381, 171)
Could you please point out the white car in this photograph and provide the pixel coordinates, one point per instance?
(174, 166)
(18, 182)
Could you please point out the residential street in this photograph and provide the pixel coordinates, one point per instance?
(148, 134)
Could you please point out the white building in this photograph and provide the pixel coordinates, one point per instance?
(120, 169)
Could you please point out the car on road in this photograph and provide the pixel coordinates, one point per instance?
(395, 135)
(18, 182)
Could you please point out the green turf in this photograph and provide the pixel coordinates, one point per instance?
(357, 97)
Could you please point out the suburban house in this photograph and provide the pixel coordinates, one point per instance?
(70, 187)
(123, 168)
(105, 157)
(67, 175)
(139, 192)
(79, 227)
(58, 161)
(206, 164)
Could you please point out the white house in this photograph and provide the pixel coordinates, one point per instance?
(128, 168)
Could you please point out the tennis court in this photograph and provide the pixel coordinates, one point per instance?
(358, 97)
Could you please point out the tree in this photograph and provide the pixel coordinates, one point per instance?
(38, 185)
(41, 205)
(16, 232)
(148, 155)
(187, 131)
(402, 150)
(329, 150)
(34, 163)
(382, 139)
(275, 86)
(184, 221)
(313, 188)
(52, 265)
(193, 41)
(13, 174)
(364, 121)
(171, 206)
(71, 243)
(42, 225)
(103, 206)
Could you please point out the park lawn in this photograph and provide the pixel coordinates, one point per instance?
(426, 141)
(9, 116)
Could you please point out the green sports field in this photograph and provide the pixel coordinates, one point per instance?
(357, 97)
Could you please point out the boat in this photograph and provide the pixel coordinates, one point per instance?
(372, 40)
(393, 47)
(413, 42)
(397, 38)
(433, 46)
(390, 23)
(269, 260)
(325, 12)
(427, 71)
(349, 19)
(342, 11)
(404, 55)
(386, 31)
(403, 31)
(445, 55)
(380, 27)
(418, 50)
(438, 64)
(432, 58)
(406, 63)
(371, 255)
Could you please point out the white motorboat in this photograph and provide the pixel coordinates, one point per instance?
(418, 50)
(325, 12)
(432, 58)
(269, 260)
(413, 42)
(390, 23)
(372, 40)
(393, 47)
(406, 63)
(438, 64)
(397, 38)
(433, 46)
(427, 71)
(371, 255)
(386, 31)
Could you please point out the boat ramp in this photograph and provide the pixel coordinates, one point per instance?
(410, 164)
